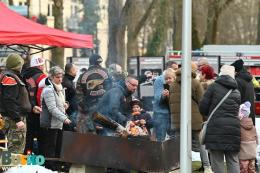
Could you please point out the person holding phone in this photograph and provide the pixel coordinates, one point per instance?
(161, 117)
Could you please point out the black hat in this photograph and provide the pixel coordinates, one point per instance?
(238, 64)
(95, 59)
(136, 102)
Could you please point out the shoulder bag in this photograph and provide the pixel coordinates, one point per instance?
(205, 124)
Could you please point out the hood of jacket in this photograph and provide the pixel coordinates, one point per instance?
(227, 82)
(31, 71)
(178, 75)
(247, 123)
(244, 75)
(122, 86)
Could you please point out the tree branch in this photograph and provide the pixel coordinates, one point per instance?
(143, 19)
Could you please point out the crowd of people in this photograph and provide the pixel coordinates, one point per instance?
(37, 107)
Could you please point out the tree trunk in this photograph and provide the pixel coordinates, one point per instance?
(212, 20)
(58, 53)
(117, 29)
(156, 46)
(196, 44)
(258, 25)
(214, 11)
(136, 22)
(177, 25)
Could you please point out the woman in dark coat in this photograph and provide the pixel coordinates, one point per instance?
(223, 130)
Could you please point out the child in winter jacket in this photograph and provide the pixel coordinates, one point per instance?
(249, 140)
(140, 117)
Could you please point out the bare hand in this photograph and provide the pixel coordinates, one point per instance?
(37, 109)
(142, 121)
(20, 125)
(137, 122)
(165, 93)
(66, 105)
(67, 121)
(99, 128)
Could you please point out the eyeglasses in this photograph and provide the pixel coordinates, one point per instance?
(134, 85)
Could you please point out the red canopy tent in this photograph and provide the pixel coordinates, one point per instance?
(18, 30)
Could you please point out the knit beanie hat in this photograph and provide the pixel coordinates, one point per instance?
(227, 70)
(244, 109)
(238, 64)
(14, 61)
(136, 102)
(36, 61)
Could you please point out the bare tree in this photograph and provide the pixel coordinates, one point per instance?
(156, 45)
(117, 29)
(238, 23)
(58, 53)
(177, 24)
(215, 8)
(136, 20)
(258, 25)
(122, 25)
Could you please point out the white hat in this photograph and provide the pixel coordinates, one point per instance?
(203, 61)
(244, 110)
(36, 61)
(227, 70)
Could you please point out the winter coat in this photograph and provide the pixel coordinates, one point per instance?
(92, 85)
(206, 83)
(33, 76)
(246, 88)
(145, 116)
(223, 130)
(70, 92)
(14, 97)
(114, 104)
(53, 112)
(158, 106)
(248, 139)
(175, 102)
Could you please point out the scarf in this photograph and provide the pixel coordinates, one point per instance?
(60, 93)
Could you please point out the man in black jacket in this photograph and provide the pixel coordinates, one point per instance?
(245, 85)
(33, 76)
(91, 86)
(14, 104)
(70, 92)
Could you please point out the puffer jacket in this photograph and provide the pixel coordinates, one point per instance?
(53, 111)
(223, 130)
(248, 139)
(175, 102)
(246, 88)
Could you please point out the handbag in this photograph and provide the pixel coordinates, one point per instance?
(205, 124)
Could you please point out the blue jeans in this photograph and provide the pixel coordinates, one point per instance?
(161, 125)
